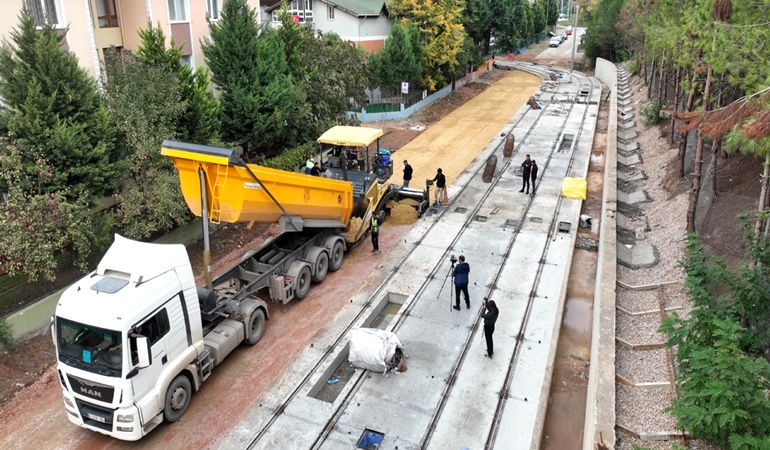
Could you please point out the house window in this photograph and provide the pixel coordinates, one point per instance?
(187, 60)
(177, 10)
(212, 9)
(45, 11)
(300, 10)
(106, 13)
(330, 12)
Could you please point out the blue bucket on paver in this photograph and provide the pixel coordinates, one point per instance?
(385, 153)
(370, 440)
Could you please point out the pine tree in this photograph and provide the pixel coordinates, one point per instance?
(199, 121)
(54, 115)
(251, 72)
(400, 62)
(329, 75)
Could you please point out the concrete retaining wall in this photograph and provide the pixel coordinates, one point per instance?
(600, 401)
(34, 318)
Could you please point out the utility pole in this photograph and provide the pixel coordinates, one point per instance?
(574, 42)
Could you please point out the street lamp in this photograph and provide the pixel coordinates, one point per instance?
(574, 42)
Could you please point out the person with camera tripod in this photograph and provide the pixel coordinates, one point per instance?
(460, 274)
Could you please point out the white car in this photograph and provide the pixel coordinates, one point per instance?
(555, 42)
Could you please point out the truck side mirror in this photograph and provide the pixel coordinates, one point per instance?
(143, 352)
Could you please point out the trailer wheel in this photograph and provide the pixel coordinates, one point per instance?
(177, 398)
(321, 267)
(336, 255)
(302, 283)
(256, 326)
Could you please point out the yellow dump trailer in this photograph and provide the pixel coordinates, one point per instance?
(241, 192)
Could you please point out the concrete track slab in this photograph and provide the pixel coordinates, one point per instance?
(633, 198)
(402, 406)
(628, 147)
(627, 135)
(631, 160)
(638, 257)
(627, 124)
(631, 224)
(626, 116)
(637, 175)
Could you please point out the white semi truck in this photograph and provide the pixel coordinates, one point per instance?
(135, 338)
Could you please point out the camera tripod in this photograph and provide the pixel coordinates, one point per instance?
(451, 291)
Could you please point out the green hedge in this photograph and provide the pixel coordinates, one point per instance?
(292, 159)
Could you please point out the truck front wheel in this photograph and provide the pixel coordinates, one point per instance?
(177, 398)
(256, 326)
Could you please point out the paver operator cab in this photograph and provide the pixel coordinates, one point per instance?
(136, 337)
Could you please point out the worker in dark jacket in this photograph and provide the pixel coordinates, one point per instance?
(374, 229)
(489, 313)
(440, 181)
(533, 175)
(460, 275)
(407, 173)
(526, 166)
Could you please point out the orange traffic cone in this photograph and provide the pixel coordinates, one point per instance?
(446, 198)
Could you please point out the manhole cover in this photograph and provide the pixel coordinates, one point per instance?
(536, 219)
(564, 227)
(461, 210)
(481, 218)
(511, 223)
(370, 439)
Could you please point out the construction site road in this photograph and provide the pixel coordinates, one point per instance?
(36, 418)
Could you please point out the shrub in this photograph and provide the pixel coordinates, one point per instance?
(291, 159)
(651, 112)
(6, 337)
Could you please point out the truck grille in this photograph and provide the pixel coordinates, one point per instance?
(95, 416)
(95, 391)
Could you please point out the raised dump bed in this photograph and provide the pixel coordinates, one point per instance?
(241, 192)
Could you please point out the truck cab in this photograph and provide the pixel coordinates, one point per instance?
(123, 334)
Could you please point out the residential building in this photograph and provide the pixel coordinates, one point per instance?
(95, 26)
(363, 22)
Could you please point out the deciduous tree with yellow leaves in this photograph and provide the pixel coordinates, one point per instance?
(441, 34)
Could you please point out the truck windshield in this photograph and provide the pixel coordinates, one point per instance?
(89, 348)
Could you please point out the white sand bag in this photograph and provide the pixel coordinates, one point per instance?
(372, 348)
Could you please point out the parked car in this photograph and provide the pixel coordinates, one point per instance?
(569, 30)
(563, 37)
(563, 17)
(555, 42)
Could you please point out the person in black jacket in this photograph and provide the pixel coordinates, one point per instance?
(489, 313)
(460, 275)
(440, 181)
(374, 229)
(407, 173)
(533, 173)
(525, 172)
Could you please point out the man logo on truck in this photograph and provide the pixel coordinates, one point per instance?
(91, 392)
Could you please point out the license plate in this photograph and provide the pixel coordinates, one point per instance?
(96, 418)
